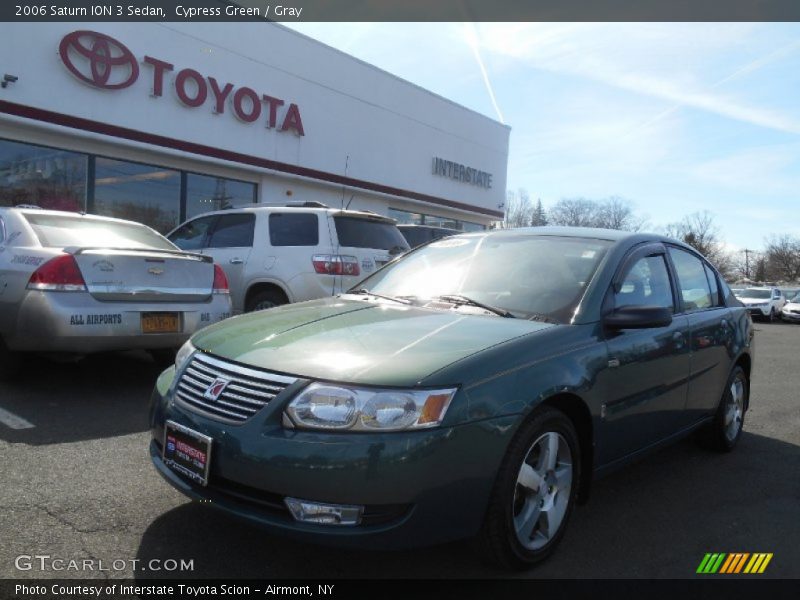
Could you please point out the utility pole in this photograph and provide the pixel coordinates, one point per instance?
(747, 253)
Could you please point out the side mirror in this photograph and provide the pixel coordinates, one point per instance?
(638, 317)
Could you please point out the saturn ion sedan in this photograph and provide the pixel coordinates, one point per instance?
(472, 388)
(75, 284)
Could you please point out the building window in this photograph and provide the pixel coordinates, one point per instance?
(404, 217)
(143, 193)
(45, 177)
(204, 194)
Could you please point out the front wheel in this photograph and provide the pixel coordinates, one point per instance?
(534, 492)
(771, 317)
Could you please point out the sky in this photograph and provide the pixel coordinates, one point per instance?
(674, 117)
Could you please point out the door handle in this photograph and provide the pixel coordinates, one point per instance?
(236, 261)
(679, 339)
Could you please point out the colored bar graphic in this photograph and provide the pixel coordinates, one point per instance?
(733, 563)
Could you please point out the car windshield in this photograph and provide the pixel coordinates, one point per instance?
(63, 231)
(759, 294)
(530, 276)
(795, 298)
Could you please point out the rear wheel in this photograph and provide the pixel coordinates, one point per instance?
(534, 492)
(725, 430)
(10, 362)
(265, 299)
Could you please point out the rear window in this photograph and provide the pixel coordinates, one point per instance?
(60, 231)
(293, 229)
(354, 232)
(415, 237)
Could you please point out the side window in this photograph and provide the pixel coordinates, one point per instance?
(646, 283)
(233, 231)
(192, 235)
(293, 229)
(2, 231)
(692, 281)
(716, 300)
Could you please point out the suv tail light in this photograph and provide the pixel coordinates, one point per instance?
(335, 264)
(220, 281)
(59, 274)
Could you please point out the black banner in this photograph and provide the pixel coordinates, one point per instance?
(733, 588)
(401, 10)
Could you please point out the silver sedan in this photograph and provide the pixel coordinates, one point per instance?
(77, 284)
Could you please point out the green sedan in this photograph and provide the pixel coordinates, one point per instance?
(472, 388)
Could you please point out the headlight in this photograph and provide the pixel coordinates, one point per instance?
(183, 355)
(333, 407)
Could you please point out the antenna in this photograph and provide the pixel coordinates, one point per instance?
(349, 201)
(346, 164)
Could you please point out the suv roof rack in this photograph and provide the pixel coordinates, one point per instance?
(307, 204)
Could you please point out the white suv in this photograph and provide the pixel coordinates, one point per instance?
(764, 302)
(273, 255)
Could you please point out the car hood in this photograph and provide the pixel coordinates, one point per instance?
(792, 306)
(746, 300)
(375, 343)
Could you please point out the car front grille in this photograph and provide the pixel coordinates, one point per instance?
(245, 391)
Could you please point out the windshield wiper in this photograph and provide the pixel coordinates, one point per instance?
(458, 298)
(367, 292)
(543, 319)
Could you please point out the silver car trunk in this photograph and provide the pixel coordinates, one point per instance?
(145, 275)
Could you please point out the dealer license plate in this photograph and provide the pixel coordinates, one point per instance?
(161, 322)
(187, 452)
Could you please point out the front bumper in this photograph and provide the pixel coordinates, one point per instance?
(418, 488)
(75, 322)
(759, 311)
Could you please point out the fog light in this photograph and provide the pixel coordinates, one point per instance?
(325, 514)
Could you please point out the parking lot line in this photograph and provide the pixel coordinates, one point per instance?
(15, 422)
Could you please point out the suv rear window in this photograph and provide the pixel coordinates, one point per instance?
(62, 231)
(356, 232)
(293, 229)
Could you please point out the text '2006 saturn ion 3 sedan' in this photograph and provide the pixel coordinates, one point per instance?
(471, 388)
(76, 284)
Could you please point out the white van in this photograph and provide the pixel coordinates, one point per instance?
(273, 255)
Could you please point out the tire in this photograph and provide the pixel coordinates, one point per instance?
(724, 431)
(265, 299)
(523, 524)
(163, 357)
(10, 362)
(771, 317)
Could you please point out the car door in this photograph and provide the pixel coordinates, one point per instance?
(230, 243)
(645, 385)
(710, 332)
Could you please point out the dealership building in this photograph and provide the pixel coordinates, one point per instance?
(161, 122)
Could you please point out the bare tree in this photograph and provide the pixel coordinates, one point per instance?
(574, 212)
(783, 257)
(519, 209)
(617, 213)
(698, 230)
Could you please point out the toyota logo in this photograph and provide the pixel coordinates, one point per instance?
(98, 59)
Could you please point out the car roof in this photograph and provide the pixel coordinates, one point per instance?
(65, 213)
(427, 227)
(299, 209)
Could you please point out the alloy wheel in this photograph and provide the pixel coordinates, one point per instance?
(734, 410)
(542, 493)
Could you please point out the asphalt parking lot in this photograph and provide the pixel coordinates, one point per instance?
(78, 484)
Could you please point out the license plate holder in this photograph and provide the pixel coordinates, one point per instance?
(161, 322)
(187, 452)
